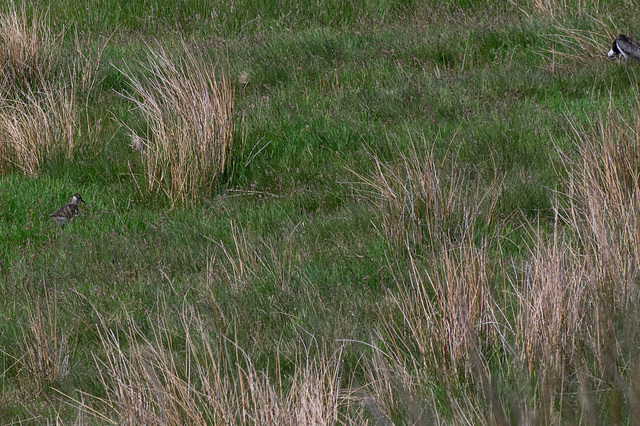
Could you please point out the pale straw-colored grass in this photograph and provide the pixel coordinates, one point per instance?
(44, 354)
(568, 45)
(556, 8)
(562, 318)
(183, 373)
(187, 104)
(37, 125)
(38, 115)
(422, 201)
(27, 44)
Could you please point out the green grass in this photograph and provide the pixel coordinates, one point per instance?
(287, 255)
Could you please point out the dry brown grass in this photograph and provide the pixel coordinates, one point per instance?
(604, 192)
(187, 105)
(422, 202)
(443, 285)
(555, 8)
(200, 378)
(27, 45)
(38, 114)
(567, 46)
(578, 300)
(443, 304)
(566, 322)
(552, 304)
(446, 304)
(45, 350)
(432, 340)
(37, 125)
(603, 186)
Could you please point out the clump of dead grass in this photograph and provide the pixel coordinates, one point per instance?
(442, 309)
(187, 105)
(422, 201)
(562, 319)
(183, 373)
(603, 187)
(45, 351)
(38, 114)
(567, 45)
(27, 45)
(445, 304)
(428, 217)
(437, 324)
(552, 297)
(579, 299)
(37, 125)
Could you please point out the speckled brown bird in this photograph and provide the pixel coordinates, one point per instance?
(66, 213)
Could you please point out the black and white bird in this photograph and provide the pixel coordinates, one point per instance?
(66, 213)
(624, 46)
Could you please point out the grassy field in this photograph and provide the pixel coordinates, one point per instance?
(375, 212)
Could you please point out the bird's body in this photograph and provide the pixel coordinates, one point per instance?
(624, 46)
(66, 213)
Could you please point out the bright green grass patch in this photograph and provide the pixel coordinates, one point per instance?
(226, 18)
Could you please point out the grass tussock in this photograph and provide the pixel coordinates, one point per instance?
(563, 321)
(28, 46)
(38, 125)
(445, 305)
(182, 374)
(440, 321)
(44, 352)
(603, 186)
(567, 45)
(187, 106)
(424, 202)
(553, 298)
(579, 298)
(38, 113)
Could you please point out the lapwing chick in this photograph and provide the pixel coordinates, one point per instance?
(66, 213)
(624, 46)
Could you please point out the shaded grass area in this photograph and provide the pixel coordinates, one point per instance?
(289, 247)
